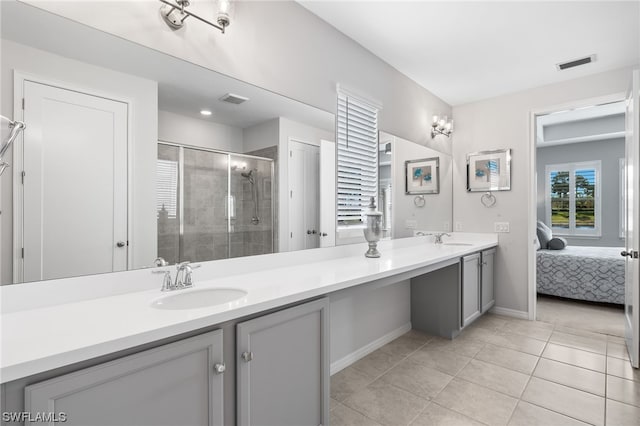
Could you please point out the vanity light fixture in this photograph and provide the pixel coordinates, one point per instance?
(174, 14)
(206, 112)
(441, 126)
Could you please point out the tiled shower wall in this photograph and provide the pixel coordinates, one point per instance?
(208, 232)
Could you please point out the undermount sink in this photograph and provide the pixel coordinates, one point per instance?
(198, 298)
(457, 244)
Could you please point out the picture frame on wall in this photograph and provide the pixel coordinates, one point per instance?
(422, 176)
(489, 171)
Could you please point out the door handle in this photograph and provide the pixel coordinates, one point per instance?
(308, 231)
(631, 253)
(323, 234)
(121, 244)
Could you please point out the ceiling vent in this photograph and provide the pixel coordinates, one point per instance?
(233, 99)
(576, 62)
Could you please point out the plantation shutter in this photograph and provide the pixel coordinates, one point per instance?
(167, 187)
(357, 133)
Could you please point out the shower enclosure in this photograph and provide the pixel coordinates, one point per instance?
(213, 204)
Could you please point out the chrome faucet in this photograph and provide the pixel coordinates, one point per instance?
(436, 236)
(183, 278)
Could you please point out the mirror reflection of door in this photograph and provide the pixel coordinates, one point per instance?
(304, 187)
(74, 191)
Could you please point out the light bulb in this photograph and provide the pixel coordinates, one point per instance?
(225, 9)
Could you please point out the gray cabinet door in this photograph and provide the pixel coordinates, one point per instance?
(174, 384)
(283, 367)
(470, 288)
(488, 298)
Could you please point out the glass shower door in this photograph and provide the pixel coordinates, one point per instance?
(204, 223)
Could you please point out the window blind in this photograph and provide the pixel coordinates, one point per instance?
(357, 181)
(167, 187)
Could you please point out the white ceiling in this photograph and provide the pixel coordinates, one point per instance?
(467, 51)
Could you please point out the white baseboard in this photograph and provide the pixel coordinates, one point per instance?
(509, 312)
(346, 361)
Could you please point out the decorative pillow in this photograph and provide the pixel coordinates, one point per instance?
(536, 243)
(557, 243)
(544, 234)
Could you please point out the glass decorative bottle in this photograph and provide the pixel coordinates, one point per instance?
(373, 229)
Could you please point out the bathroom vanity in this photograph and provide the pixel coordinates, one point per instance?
(109, 358)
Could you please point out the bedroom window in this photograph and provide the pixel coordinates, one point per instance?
(572, 198)
(357, 135)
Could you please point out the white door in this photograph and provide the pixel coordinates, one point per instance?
(304, 187)
(74, 192)
(327, 194)
(632, 231)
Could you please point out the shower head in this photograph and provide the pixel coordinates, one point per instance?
(249, 175)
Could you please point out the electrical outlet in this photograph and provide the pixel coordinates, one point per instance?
(446, 226)
(458, 226)
(411, 224)
(501, 227)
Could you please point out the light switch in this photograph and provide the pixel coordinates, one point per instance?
(501, 227)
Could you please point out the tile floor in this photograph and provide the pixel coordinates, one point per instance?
(499, 371)
(600, 318)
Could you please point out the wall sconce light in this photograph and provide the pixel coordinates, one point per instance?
(174, 14)
(441, 126)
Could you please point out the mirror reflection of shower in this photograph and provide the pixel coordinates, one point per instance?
(251, 177)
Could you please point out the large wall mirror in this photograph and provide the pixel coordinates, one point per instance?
(130, 154)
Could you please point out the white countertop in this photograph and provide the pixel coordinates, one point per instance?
(52, 332)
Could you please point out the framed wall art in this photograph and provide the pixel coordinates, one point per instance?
(489, 171)
(422, 176)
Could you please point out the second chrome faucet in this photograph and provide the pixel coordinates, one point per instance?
(183, 278)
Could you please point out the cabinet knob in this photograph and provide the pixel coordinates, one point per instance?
(246, 356)
(219, 368)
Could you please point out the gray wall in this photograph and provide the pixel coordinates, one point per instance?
(505, 122)
(608, 152)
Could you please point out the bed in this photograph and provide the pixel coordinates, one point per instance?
(595, 274)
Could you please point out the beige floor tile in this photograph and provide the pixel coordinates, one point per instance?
(617, 350)
(576, 357)
(531, 415)
(581, 316)
(508, 358)
(402, 346)
(616, 339)
(572, 376)
(580, 342)
(491, 322)
(333, 404)
(342, 415)
(619, 414)
(377, 363)
(494, 377)
(417, 379)
(532, 329)
(579, 332)
(436, 415)
(386, 404)
(565, 400)
(348, 381)
(418, 335)
(461, 345)
(623, 390)
(477, 333)
(445, 361)
(477, 402)
(518, 343)
(622, 368)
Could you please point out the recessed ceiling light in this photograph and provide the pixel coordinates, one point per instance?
(205, 112)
